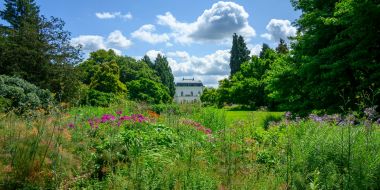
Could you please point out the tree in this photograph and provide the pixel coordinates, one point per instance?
(161, 66)
(147, 60)
(239, 53)
(148, 91)
(282, 48)
(106, 79)
(337, 50)
(210, 96)
(32, 46)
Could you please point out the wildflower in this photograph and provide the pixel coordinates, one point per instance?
(71, 125)
(288, 115)
(119, 112)
(370, 112)
(123, 118)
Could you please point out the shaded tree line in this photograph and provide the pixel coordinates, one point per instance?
(38, 50)
(332, 65)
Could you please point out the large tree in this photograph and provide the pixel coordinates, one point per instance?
(33, 46)
(239, 53)
(337, 51)
(161, 65)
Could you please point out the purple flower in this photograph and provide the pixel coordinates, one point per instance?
(71, 125)
(107, 117)
(370, 112)
(123, 118)
(315, 118)
(378, 121)
(119, 112)
(288, 115)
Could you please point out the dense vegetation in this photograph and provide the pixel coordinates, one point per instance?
(333, 62)
(192, 148)
(108, 122)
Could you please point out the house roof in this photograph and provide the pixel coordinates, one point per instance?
(189, 82)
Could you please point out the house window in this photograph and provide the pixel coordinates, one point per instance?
(192, 93)
(182, 93)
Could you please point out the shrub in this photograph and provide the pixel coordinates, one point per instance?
(161, 108)
(21, 96)
(97, 98)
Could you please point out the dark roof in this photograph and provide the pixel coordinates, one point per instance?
(189, 82)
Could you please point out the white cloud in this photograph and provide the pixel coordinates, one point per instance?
(278, 29)
(215, 24)
(127, 16)
(209, 68)
(146, 33)
(152, 54)
(91, 43)
(116, 38)
(255, 49)
(112, 15)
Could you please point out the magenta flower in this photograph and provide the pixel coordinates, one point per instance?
(119, 112)
(71, 125)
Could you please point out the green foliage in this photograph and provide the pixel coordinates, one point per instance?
(166, 108)
(161, 66)
(336, 51)
(210, 96)
(98, 98)
(282, 48)
(239, 53)
(106, 79)
(37, 49)
(148, 91)
(21, 96)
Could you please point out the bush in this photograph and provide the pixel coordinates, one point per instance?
(162, 108)
(21, 96)
(97, 98)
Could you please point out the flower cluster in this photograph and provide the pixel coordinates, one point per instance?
(118, 120)
(197, 126)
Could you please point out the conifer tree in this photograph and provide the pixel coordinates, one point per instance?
(282, 48)
(239, 53)
(164, 71)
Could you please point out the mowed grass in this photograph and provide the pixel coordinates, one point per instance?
(257, 117)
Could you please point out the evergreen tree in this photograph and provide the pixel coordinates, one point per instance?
(239, 53)
(147, 60)
(282, 48)
(263, 50)
(32, 47)
(161, 65)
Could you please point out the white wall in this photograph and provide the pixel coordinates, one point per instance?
(186, 96)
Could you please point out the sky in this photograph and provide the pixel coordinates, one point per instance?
(194, 35)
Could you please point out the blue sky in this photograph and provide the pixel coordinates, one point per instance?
(194, 35)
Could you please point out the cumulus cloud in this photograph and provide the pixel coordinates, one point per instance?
(116, 38)
(146, 33)
(255, 49)
(215, 24)
(152, 54)
(112, 15)
(91, 43)
(279, 29)
(209, 68)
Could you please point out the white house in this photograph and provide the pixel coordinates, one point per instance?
(188, 91)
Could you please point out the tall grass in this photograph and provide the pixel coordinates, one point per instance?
(190, 148)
